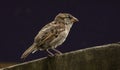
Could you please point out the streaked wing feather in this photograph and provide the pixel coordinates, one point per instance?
(48, 33)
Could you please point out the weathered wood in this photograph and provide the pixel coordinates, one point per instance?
(106, 57)
(6, 64)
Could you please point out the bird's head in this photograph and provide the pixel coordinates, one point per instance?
(66, 17)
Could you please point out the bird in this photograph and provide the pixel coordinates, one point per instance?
(52, 35)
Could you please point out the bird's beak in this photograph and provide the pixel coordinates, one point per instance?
(75, 19)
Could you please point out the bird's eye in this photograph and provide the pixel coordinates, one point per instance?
(69, 16)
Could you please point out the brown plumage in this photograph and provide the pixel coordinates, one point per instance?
(52, 34)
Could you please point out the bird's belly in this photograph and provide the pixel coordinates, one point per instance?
(59, 40)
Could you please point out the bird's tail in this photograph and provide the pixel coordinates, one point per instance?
(28, 51)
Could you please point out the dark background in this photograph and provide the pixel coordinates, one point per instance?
(21, 20)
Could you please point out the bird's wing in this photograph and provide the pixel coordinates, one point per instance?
(41, 37)
(48, 33)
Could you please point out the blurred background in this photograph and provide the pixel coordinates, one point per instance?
(21, 20)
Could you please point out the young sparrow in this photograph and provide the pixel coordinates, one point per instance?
(52, 35)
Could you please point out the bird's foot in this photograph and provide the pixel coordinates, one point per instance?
(57, 52)
(50, 54)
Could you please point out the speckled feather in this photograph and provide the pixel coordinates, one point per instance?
(52, 34)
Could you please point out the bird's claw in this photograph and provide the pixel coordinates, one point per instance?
(56, 54)
(49, 55)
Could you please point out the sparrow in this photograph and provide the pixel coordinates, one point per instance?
(52, 35)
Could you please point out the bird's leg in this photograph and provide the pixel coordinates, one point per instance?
(56, 51)
(50, 54)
